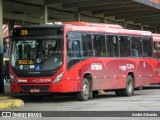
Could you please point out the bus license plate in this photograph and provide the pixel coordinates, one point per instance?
(34, 90)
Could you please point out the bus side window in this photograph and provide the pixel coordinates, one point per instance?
(87, 45)
(136, 46)
(76, 48)
(112, 46)
(99, 45)
(125, 48)
(147, 47)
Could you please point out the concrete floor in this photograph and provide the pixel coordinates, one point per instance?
(143, 100)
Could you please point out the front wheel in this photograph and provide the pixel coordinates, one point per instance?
(85, 91)
(129, 90)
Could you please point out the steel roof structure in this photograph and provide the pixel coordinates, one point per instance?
(132, 12)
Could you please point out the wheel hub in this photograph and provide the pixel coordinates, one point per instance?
(85, 89)
(130, 87)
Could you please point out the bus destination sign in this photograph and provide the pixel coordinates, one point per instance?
(38, 32)
(25, 62)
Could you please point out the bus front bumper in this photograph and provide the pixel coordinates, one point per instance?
(64, 86)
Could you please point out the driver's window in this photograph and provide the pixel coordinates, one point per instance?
(73, 48)
(74, 45)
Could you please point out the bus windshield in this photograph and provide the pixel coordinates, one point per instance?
(37, 55)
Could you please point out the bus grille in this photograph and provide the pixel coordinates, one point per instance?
(41, 88)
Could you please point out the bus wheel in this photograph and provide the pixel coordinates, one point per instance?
(118, 92)
(85, 91)
(129, 90)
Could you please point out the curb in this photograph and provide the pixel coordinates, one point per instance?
(101, 92)
(6, 104)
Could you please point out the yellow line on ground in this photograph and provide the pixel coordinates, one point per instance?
(11, 103)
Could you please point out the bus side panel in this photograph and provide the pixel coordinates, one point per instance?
(149, 67)
(64, 86)
(106, 73)
(111, 73)
(157, 72)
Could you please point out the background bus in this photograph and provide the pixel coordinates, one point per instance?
(156, 40)
(80, 57)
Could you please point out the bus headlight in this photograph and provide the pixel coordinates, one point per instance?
(58, 78)
(12, 78)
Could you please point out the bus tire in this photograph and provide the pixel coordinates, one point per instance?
(84, 94)
(129, 90)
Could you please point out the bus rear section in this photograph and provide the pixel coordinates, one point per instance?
(80, 59)
(156, 42)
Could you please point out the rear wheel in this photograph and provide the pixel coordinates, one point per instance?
(129, 90)
(85, 91)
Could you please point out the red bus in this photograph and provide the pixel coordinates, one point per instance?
(156, 41)
(79, 57)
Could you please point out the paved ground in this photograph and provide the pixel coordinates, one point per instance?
(7, 88)
(7, 100)
(144, 100)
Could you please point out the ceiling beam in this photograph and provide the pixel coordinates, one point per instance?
(155, 25)
(133, 15)
(22, 3)
(20, 17)
(108, 6)
(152, 24)
(49, 2)
(143, 17)
(91, 3)
(147, 20)
(124, 9)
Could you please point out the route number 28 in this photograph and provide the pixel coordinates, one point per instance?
(24, 32)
